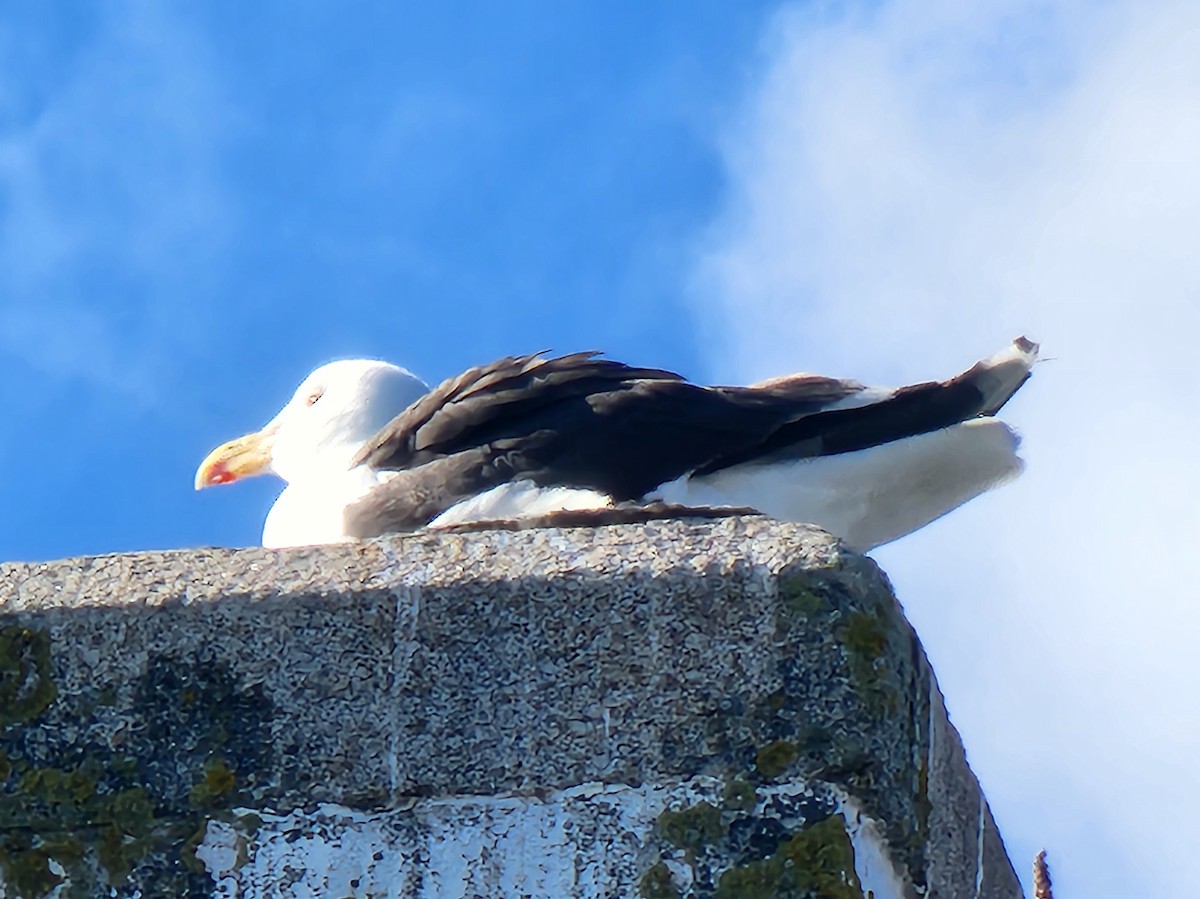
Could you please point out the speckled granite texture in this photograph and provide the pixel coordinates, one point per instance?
(162, 713)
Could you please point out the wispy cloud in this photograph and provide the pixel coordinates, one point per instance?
(913, 184)
(109, 165)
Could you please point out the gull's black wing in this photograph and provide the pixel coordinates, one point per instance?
(586, 422)
(576, 420)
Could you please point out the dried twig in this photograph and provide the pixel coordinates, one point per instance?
(1041, 877)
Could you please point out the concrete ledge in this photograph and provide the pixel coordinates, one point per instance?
(727, 708)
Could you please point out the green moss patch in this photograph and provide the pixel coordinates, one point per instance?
(865, 636)
(691, 828)
(739, 795)
(84, 817)
(816, 862)
(799, 597)
(217, 782)
(62, 814)
(26, 684)
(774, 758)
(658, 884)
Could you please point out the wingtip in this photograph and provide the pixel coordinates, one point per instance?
(1022, 352)
(1002, 375)
(1027, 346)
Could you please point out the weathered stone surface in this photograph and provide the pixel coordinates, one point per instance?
(668, 709)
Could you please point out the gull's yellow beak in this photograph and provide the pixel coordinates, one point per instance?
(237, 459)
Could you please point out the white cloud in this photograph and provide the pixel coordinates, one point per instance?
(111, 185)
(913, 185)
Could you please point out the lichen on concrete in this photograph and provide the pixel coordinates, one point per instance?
(739, 795)
(80, 814)
(865, 636)
(775, 758)
(790, 841)
(657, 883)
(816, 861)
(26, 685)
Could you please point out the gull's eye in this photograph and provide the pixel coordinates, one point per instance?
(313, 397)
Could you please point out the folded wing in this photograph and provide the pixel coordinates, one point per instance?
(583, 422)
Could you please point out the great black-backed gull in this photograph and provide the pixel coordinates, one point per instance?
(366, 448)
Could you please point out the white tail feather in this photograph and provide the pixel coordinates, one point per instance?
(873, 496)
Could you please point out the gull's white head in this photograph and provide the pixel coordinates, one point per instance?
(330, 416)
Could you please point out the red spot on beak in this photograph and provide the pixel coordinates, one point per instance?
(232, 461)
(220, 475)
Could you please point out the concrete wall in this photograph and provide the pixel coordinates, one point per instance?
(730, 708)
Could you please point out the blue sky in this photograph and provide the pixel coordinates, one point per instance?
(200, 204)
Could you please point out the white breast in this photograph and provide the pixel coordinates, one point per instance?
(521, 499)
(312, 512)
